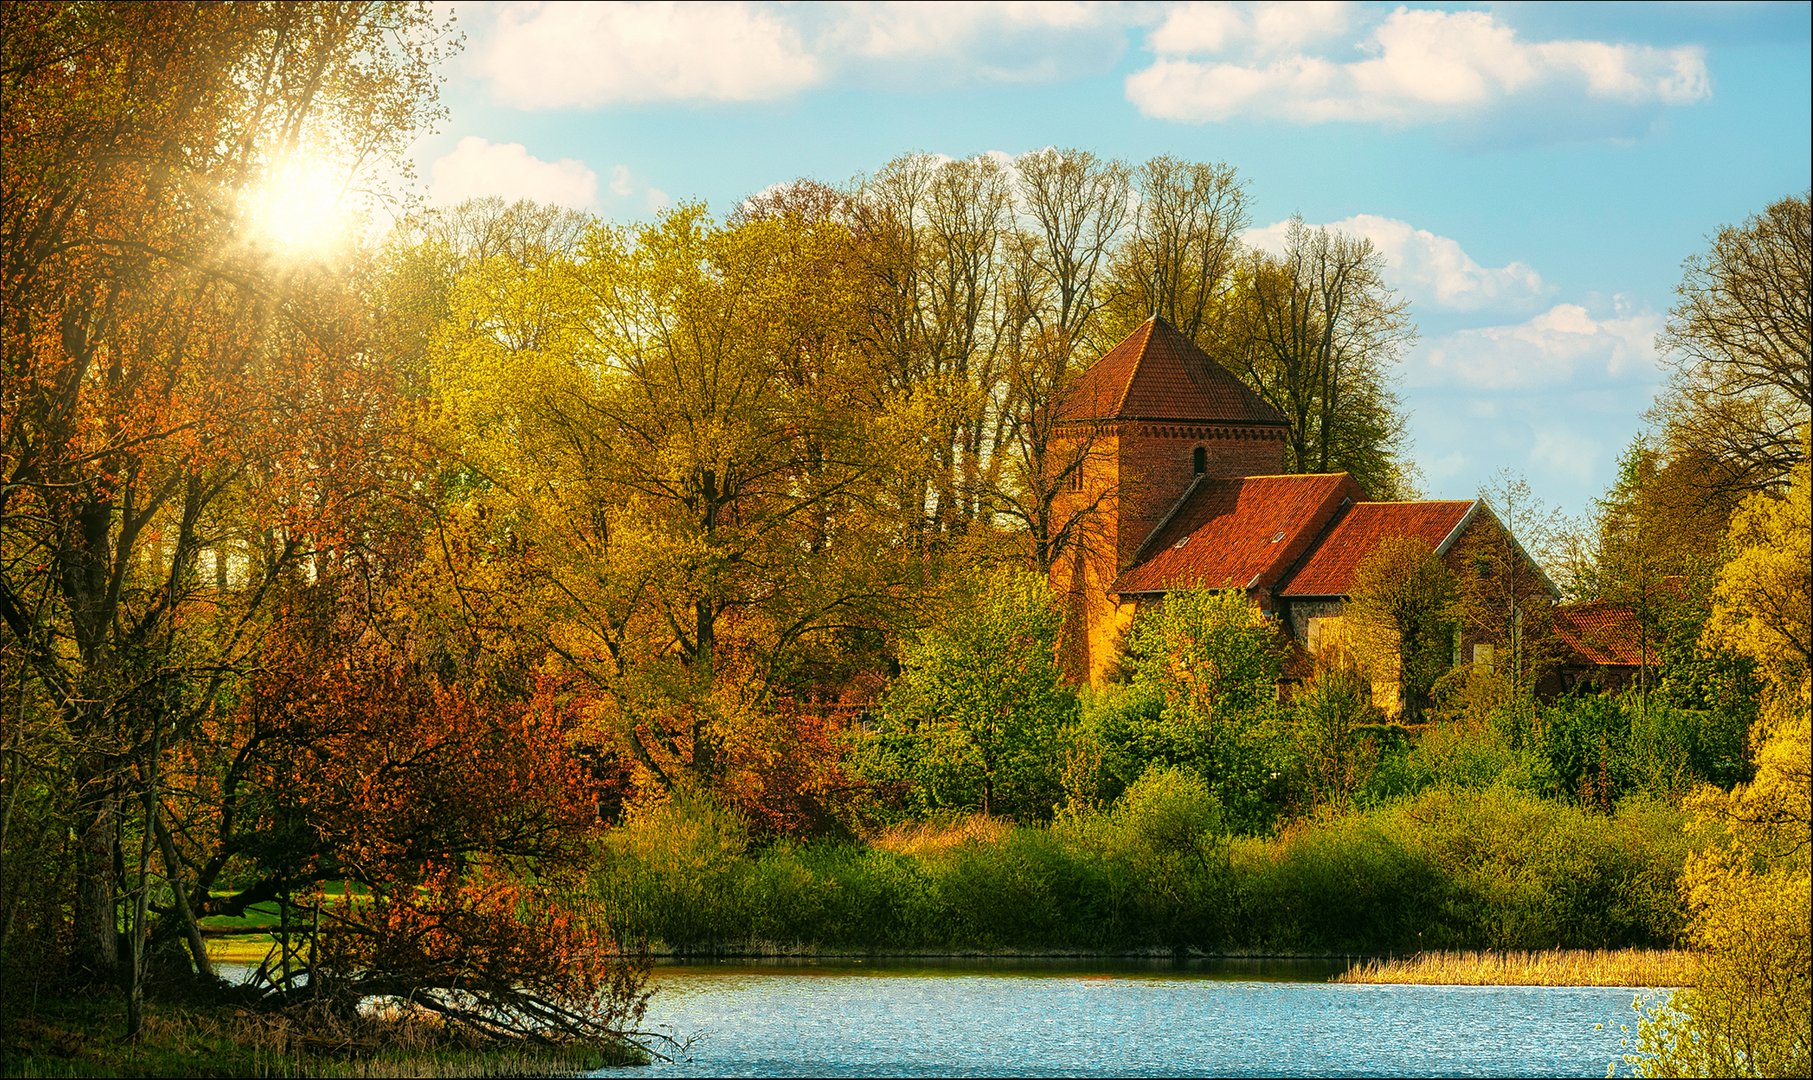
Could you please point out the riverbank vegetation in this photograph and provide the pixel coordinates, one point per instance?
(477, 606)
(1452, 867)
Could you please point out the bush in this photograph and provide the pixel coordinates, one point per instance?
(1596, 749)
(1163, 859)
(1454, 867)
(1338, 734)
(1451, 867)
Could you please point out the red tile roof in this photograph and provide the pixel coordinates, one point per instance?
(1329, 569)
(1157, 373)
(1601, 633)
(1231, 532)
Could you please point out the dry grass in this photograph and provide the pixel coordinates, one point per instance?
(1550, 967)
(919, 839)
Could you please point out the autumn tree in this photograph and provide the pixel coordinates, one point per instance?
(424, 256)
(462, 820)
(1316, 332)
(1740, 342)
(1748, 1011)
(181, 406)
(673, 431)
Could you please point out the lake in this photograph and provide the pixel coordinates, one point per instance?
(1227, 1018)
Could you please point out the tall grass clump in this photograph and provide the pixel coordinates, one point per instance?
(1546, 967)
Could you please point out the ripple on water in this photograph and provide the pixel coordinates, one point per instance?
(814, 1022)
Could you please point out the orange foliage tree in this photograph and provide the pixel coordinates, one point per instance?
(457, 824)
(188, 419)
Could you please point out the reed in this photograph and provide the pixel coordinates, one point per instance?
(1547, 967)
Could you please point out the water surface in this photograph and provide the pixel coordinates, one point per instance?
(1115, 1019)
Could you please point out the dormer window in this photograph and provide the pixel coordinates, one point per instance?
(1199, 461)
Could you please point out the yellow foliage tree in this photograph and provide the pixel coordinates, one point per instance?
(1748, 1012)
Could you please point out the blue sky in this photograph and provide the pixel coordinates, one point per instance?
(1533, 173)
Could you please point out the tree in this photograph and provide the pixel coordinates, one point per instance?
(933, 240)
(1748, 1012)
(1402, 607)
(1506, 600)
(179, 402)
(1657, 550)
(1315, 332)
(1762, 605)
(1740, 341)
(1178, 260)
(675, 433)
(462, 822)
(1213, 659)
(1078, 205)
(1327, 715)
(973, 720)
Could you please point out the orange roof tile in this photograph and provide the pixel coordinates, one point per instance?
(1156, 373)
(1329, 569)
(1601, 633)
(1236, 531)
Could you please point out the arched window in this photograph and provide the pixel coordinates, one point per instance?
(1199, 461)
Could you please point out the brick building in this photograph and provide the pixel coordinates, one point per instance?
(1182, 481)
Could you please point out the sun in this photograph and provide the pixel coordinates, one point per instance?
(299, 209)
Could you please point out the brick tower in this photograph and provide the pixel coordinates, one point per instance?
(1142, 424)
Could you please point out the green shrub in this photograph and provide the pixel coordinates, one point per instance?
(1163, 860)
(1456, 867)
(1452, 866)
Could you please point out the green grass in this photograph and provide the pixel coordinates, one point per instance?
(246, 938)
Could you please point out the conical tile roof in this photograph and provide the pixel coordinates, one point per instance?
(1157, 373)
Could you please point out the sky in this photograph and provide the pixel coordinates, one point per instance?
(1532, 174)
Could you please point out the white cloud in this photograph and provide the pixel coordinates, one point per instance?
(1564, 345)
(583, 55)
(1431, 270)
(477, 167)
(621, 182)
(1415, 65)
(1298, 22)
(1198, 28)
(1213, 26)
(571, 55)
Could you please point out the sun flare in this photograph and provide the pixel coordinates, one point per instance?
(299, 209)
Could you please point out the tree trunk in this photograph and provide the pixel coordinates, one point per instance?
(97, 943)
(184, 913)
